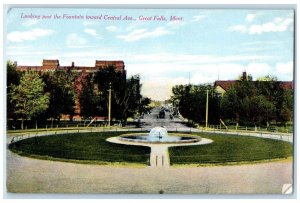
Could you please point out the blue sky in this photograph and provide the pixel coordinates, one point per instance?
(201, 46)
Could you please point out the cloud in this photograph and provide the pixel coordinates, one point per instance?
(91, 32)
(160, 88)
(73, 40)
(277, 25)
(256, 46)
(30, 22)
(250, 17)
(20, 36)
(285, 68)
(195, 59)
(258, 69)
(260, 43)
(238, 28)
(198, 18)
(139, 34)
(111, 28)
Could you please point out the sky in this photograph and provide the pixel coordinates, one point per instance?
(166, 47)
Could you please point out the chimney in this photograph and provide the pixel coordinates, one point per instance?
(73, 64)
(244, 78)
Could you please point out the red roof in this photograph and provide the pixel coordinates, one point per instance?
(225, 84)
(287, 85)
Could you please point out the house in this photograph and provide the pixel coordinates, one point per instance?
(222, 86)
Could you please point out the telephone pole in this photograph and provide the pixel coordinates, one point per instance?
(109, 104)
(206, 113)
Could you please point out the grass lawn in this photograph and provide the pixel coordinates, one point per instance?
(83, 147)
(230, 148)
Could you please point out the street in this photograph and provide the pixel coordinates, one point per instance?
(150, 121)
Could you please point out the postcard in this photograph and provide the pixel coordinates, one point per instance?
(149, 101)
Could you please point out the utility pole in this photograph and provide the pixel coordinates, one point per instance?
(109, 104)
(206, 113)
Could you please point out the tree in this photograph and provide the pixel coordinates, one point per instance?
(230, 106)
(13, 78)
(127, 100)
(145, 106)
(257, 102)
(60, 85)
(190, 100)
(89, 98)
(29, 97)
(261, 110)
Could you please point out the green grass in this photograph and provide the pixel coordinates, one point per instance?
(85, 147)
(93, 148)
(230, 148)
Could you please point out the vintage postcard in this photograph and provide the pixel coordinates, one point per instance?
(149, 101)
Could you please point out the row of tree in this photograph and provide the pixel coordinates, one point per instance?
(126, 101)
(38, 96)
(247, 102)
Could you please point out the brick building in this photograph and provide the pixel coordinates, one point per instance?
(52, 65)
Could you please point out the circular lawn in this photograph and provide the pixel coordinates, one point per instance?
(230, 149)
(82, 148)
(93, 148)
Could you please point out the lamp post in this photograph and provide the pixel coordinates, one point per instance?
(109, 104)
(206, 112)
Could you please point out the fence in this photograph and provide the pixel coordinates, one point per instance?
(288, 137)
(31, 125)
(240, 132)
(276, 129)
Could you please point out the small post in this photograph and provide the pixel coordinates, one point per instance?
(109, 104)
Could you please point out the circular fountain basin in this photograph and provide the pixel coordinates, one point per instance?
(172, 138)
(159, 135)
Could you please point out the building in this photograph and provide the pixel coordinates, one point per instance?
(222, 86)
(52, 65)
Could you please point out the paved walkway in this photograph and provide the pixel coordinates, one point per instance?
(27, 175)
(159, 156)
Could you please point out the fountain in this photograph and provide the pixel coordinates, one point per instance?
(159, 140)
(159, 135)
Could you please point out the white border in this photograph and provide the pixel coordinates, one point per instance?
(133, 3)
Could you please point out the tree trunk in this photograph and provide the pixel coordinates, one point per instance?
(22, 124)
